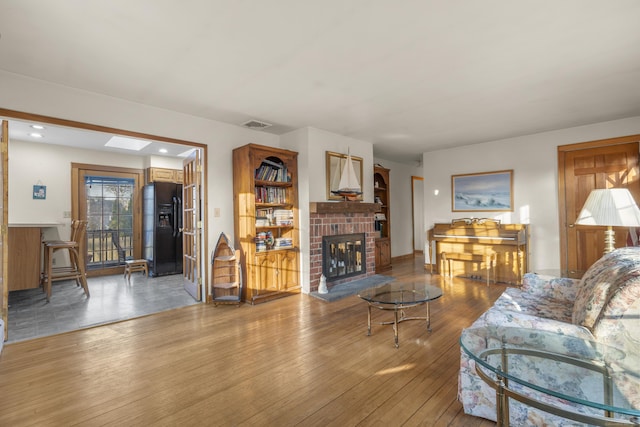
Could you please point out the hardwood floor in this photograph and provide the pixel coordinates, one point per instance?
(293, 361)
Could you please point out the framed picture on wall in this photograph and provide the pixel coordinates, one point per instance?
(40, 192)
(482, 192)
(335, 163)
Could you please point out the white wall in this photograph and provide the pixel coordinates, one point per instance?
(50, 165)
(535, 163)
(41, 164)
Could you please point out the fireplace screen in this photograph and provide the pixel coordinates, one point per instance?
(343, 256)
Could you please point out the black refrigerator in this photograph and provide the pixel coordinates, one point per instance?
(162, 228)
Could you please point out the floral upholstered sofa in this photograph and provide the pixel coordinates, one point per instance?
(603, 306)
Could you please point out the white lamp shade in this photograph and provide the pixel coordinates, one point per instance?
(610, 207)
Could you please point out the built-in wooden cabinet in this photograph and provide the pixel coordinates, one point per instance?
(164, 175)
(24, 258)
(265, 199)
(382, 224)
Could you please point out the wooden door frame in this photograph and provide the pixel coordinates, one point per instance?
(21, 115)
(4, 227)
(77, 170)
(562, 153)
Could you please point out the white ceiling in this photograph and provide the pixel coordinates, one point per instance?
(408, 76)
(92, 140)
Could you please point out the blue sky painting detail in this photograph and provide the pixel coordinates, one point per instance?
(482, 192)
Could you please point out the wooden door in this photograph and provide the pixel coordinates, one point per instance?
(4, 217)
(192, 226)
(113, 233)
(582, 168)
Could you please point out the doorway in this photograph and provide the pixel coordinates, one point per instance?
(90, 130)
(109, 199)
(417, 216)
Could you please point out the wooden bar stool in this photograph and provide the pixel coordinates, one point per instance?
(76, 269)
(133, 265)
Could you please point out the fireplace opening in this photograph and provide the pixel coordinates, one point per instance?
(343, 256)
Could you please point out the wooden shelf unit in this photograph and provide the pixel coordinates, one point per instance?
(226, 276)
(265, 199)
(382, 196)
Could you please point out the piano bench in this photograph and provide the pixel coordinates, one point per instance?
(489, 259)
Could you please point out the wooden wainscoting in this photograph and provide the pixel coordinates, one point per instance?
(292, 361)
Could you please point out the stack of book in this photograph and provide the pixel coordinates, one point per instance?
(283, 216)
(262, 221)
(283, 242)
(264, 241)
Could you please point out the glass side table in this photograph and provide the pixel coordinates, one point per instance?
(535, 367)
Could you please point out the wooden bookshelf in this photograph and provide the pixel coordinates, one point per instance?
(265, 184)
(382, 224)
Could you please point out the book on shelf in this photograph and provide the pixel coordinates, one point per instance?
(264, 217)
(271, 171)
(262, 221)
(270, 195)
(272, 163)
(283, 242)
(283, 216)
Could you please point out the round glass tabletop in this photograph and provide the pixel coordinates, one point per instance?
(397, 293)
(571, 368)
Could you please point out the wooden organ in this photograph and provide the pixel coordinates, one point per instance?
(507, 244)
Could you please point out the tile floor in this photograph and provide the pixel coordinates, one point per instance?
(112, 298)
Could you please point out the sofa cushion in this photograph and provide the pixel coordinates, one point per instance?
(601, 281)
(496, 316)
(543, 306)
(556, 288)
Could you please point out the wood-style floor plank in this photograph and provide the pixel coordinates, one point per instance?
(293, 361)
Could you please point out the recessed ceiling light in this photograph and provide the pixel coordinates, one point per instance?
(37, 126)
(163, 150)
(36, 135)
(127, 143)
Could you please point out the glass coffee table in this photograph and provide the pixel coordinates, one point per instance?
(574, 378)
(399, 297)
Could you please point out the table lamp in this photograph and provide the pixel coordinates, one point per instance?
(611, 207)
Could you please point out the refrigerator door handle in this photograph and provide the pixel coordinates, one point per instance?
(179, 215)
(175, 216)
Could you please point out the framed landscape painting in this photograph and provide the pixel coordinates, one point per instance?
(482, 192)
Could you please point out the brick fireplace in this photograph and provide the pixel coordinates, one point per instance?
(340, 218)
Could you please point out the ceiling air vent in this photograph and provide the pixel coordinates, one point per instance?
(256, 125)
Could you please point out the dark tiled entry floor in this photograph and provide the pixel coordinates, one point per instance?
(112, 298)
